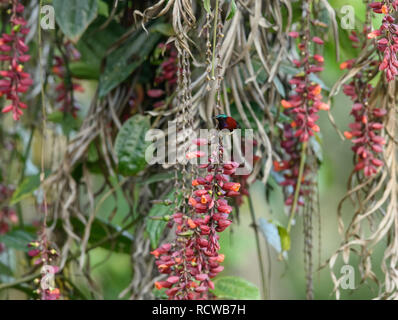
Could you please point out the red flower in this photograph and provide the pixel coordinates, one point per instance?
(15, 81)
(66, 88)
(302, 108)
(193, 258)
(387, 44)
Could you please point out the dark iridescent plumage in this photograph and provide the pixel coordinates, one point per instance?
(225, 122)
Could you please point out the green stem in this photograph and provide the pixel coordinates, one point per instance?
(259, 254)
(214, 39)
(298, 186)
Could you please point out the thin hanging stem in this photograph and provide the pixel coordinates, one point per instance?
(214, 40)
(298, 186)
(259, 253)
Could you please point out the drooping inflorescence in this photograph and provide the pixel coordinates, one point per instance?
(368, 121)
(302, 108)
(44, 255)
(193, 258)
(8, 216)
(66, 87)
(13, 50)
(387, 36)
(364, 131)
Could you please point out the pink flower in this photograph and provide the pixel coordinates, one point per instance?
(66, 88)
(317, 40)
(15, 81)
(388, 38)
(193, 257)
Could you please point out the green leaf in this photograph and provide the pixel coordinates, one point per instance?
(279, 87)
(25, 189)
(93, 46)
(130, 145)
(285, 238)
(271, 234)
(164, 28)
(127, 58)
(155, 228)
(74, 16)
(83, 70)
(232, 10)
(235, 288)
(103, 8)
(17, 239)
(160, 294)
(206, 5)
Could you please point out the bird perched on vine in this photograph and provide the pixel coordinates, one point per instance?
(226, 122)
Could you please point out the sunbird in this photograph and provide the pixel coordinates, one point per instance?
(226, 122)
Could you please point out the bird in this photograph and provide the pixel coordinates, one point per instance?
(226, 122)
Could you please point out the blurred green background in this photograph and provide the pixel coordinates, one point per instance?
(112, 271)
(286, 278)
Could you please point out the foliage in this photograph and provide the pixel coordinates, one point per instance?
(80, 104)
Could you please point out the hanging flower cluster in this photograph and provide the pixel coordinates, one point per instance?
(368, 144)
(44, 255)
(193, 259)
(166, 79)
(387, 36)
(365, 130)
(8, 216)
(13, 49)
(302, 108)
(291, 166)
(66, 88)
(307, 100)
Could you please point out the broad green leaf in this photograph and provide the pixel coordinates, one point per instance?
(164, 28)
(103, 8)
(124, 60)
(232, 10)
(285, 238)
(74, 16)
(155, 228)
(25, 189)
(83, 70)
(17, 239)
(206, 5)
(130, 145)
(93, 46)
(235, 288)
